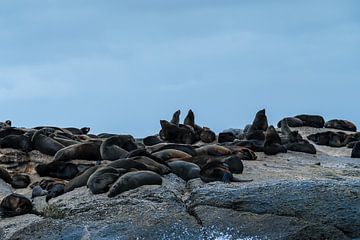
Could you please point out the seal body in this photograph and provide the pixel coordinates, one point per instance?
(14, 205)
(185, 170)
(132, 180)
(341, 125)
(315, 121)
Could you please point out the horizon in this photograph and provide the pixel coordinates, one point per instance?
(120, 67)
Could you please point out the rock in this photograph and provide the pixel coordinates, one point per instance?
(329, 204)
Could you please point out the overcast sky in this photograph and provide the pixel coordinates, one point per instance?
(121, 66)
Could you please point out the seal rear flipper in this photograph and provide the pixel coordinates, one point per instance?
(236, 179)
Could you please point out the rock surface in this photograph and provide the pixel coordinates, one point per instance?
(293, 196)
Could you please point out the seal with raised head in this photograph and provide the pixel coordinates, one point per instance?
(185, 170)
(87, 151)
(315, 121)
(272, 143)
(14, 205)
(101, 180)
(258, 126)
(190, 119)
(132, 180)
(341, 125)
(176, 118)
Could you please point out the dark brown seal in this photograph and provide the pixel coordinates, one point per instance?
(341, 125)
(14, 205)
(272, 143)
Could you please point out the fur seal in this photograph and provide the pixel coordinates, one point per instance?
(207, 136)
(167, 154)
(6, 124)
(54, 191)
(341, 125)
(355, 153)
(176, 118)
(185, 170)
(20, 181)
(37, 192)
(151, 140)
(4, 175)
(258, 126)
(11, 131)
(80, 180)
(19, 142)
(190, 119)
(226, 137)
(272, 143)
(177, 134)
(77, 131)
(304, 147)
(234, 164)
(112, 148)
(87, 151)
(329, 138)
(187, 148)
(292, 122)
(213, 150)
(46, 145)
(315, 121)
(218, 171)
(101, 180)
(140, 163)
(14, 205)
(57, 169)
(132, 180)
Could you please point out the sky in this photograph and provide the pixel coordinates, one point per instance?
(121, 66)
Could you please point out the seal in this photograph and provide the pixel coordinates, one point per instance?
(132, 180)
(57, 169)
(87, 151)
(292, 122)
(6, 124)
(234, 164)
(207, 135)
(101, 180)
(329, 138)
(272, 143)
(20, 181)
(11, 131)
(341, 125)
(218, 171)
(256, 130)
(38, 192)
(187, 148)
(355, 153)
(151, 140)
(19, 142)
(315, 121)
(140, 163)
(176, 118)
(4, 175)
(167, 154)
(177, 134)
(45, 145)
(185, 170)
(226, 137)
(190, 119)
(54, 191)
(114, 148)
(80, 180)
(77, 131)
(15, 205)
(213, 150)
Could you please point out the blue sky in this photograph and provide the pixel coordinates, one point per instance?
(121, 66)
